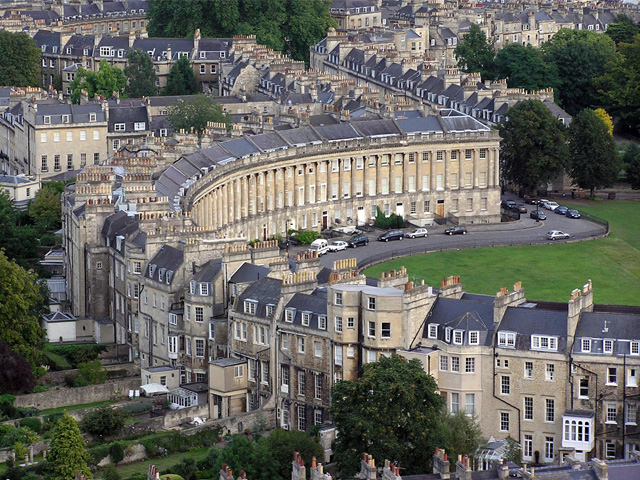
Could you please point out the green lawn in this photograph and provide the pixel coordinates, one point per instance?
(548, 272)
(51, 411)
(162, 463)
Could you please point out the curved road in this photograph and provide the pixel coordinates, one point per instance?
(526, 231)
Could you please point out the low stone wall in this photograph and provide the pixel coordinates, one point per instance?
(173, 418)
(38, 447)
(59, 377)
(55, 398)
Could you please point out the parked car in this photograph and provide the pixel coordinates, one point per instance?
(348, 230)
(561, 210)
(417, 232)
(530, 200)
(538, 215)
(320, 245)
(557, 235)
(551, 206)
(338, 245)
(358, 240)
(573, 213)
(508, 204)
(457, 230)
(391, 235)
(542, 203)
(520, 208)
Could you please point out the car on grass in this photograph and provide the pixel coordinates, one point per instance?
(416, 232)
(338, 245)
(508, 204)
(557, 235)
(391, 235)
(358, 240)
(561, 210)
(538, 215)
(551, 205)
(457, 230)
(572, 213)
(520, 208)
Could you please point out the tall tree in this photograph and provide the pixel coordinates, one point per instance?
(15, 371)
(141, 75)
(106, 81)
(20, 310)
(533, 147)
(461, 433)
(593, 160)
(606, 118)
(579, 56)
(19, 60)
(475, 53)
(631, 160)
(67, 454)
(524, 67)
(181, 80)
(17, 238)
(623, 29)
(618, 88)
(45, 209)
(308, 23)
(390, 412)
(195, 112)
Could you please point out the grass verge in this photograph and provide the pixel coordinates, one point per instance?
(548, 272)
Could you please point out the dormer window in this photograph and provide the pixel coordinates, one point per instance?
(607, 346)
(68, 51)
(506, 339)
(85, 51)
(65, 118)
(322, 322)
(161, 274)
(204, 289)
(306, 317)
(203, 54)
(474, 338)
(250, 307)
(120, 53)
(169, 276)
(447, 334)
(222, 54)
(119, 127)
(192, 287)
(586, 345)
(138, 126)
(542, 342)
(47, 120)
(270, 311)
(152, 270)
(433, 330)
(54, 49)
(458, 335)
(92, 117)
(289, 313)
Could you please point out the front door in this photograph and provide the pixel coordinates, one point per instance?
(325, 220)
(440, 208)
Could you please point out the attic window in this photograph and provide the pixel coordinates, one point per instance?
(169, 276)
(474, 338)
(92, 117)
(433, 330)
(306, 317)
(203, 54)
(85, 51)
(250, 307)
(139, 126)
(222, 54)
(192, 287)
(65, 118)
(289, 314)
(204, 289)
(120, 53)
(161, 274)
(47, 119)
(152, 269)
(68, 51)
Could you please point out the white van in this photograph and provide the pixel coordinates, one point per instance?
(320, 245)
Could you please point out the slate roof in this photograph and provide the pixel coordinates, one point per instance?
(129, 115)
(265, 291)
(208, 271)
(467, 315)
(455, 121)
(118, 224)
(303, 303)
(249, 272)
(618, 326)
(378, 128)
(534, 321)
(411, 126)
(268, 142)
(76, 113)
(15, 179)
(335, 133)
(167, 258)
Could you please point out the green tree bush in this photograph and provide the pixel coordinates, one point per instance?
(104, 421)
(19, 60)
(181, 79)
(195, 113)
(116, 453)
(525, 67)
(33, 423)
(461, 434)
(631, 161)
(475, 53)
(533, 147)
(390, 412)
(385, 223)
(623, 29)
(45, 209)
(67, 454)
(17, 237)
(111, 473)
(89, 373)
(306, 237)
(105, 82)
(15, 372)
(141, 75)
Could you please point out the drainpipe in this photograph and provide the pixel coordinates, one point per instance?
(495, 355)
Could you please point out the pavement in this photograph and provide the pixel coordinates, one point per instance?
(525, 231)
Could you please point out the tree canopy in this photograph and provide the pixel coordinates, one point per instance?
(45, 208)
(15, 371)
(104, 421)
(475, 53)
(18, 238)
(631, 160)
(579, 56)
(524, 67)
(289, 26)
(623, 29)
(141, 75)
(593, 159)
(67, 454)
(195, 112)
(533, 147)
(181, 79)
(19, 60)
(20, 310)
(390, 412)
(105, 82)
(618, 87)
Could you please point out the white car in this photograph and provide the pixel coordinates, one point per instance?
(338, 245)
(551, 206)
(557, 235)
(348, 230)
(417, 232)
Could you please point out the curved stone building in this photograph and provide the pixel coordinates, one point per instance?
(444, 165)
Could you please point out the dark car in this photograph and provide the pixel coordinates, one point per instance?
(457, 230)
(561, 210)
(508, 204)
(358, 240)
(530, 200)
(573, 214)
(391, 235)
(520, 208)
(538, 215)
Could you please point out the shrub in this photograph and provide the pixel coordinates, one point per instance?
(56, 362)
(305, 237)
(41, 388)
(90, 373)
(385, 223)
(77, 354)
(110, 473)
(33, 423)
(133, 408)
(98, 453)
(104, 421)
(116, 452)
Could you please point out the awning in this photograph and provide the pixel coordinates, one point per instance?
(151, 388)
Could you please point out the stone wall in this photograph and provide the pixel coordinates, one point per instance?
(52, 377)
(78, 396)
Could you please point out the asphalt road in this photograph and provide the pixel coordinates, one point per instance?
(525, 231)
